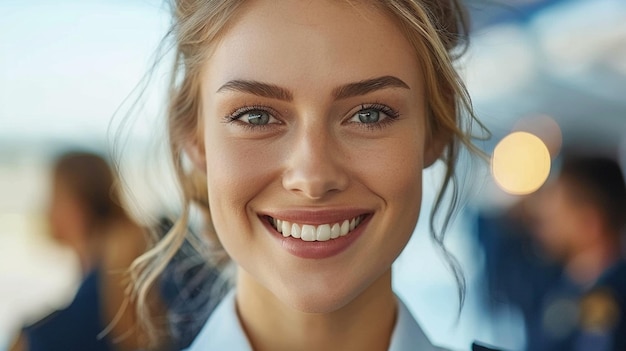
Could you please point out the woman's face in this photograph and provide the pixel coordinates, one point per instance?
(314, 116)
(66, 217)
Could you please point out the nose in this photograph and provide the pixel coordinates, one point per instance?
(315, 166)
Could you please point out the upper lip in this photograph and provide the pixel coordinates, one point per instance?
(316, 216)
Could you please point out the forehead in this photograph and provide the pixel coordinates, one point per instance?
(297, 42)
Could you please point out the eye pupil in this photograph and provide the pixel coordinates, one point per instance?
(258, 117)
(369, 116)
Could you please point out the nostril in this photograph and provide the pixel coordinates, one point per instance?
(315, 185)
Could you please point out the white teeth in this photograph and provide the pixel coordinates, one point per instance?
(335, 231)
(323, 232)
(308, 232)
(295, 231)
(345, 227)
(286, 228)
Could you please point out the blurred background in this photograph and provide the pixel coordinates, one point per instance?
(547, 77)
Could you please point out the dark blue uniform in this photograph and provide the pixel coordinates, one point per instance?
(576, 319)
(190, 288)
(75, 328)
(477, 347)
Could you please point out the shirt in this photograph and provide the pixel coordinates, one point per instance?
(224, 332)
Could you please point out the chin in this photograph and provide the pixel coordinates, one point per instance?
(314, 296)
(318, 303)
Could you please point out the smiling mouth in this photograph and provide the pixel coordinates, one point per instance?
(322, 232)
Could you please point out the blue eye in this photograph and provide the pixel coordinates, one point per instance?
(374, 115)
(253, 117)
(369, 115)
(258, 117)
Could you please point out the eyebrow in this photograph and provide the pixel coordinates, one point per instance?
(367, 86)
(343, 92)
(257, 88)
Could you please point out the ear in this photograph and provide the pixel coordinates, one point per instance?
(194, 149)
(435, 146)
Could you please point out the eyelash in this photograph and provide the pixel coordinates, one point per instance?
(234, 116)
(391, 114)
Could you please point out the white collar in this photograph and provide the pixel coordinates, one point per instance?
(224, 332)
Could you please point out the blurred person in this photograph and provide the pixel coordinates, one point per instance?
(85, 215)
(517, 272)
(580, 218)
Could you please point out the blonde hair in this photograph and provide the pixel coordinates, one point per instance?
(437, 28)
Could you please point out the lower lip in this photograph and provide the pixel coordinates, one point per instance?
(318, 249)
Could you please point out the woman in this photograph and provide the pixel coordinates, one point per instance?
(85, 215)
(311, 123)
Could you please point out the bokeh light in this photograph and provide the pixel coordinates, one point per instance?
(520, 163)
(545, 128)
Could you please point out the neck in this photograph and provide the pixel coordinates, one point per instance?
(588, 264)
(88, 251)
(271, 325)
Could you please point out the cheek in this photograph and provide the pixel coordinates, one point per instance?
(236, 173)
(393, 169)
(237, 168)
(55, 217)
(393, 172)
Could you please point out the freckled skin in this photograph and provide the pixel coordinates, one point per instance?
(314, 153)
